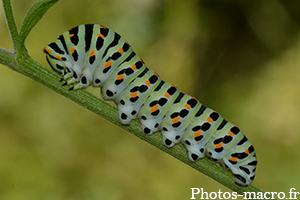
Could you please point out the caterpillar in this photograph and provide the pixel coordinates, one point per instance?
(92, 54)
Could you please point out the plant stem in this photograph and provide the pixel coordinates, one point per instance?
(13, 31)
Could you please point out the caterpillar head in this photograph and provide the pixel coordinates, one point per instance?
(56, 60)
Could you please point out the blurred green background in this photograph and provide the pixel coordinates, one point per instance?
(241, 58)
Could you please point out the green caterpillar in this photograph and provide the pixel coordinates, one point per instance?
(92, 54)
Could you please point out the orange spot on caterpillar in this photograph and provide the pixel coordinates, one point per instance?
(134, 94)
(100, 35)
(107, 64)
(72, 50)
(175, 120)
(147, 83)
(154, 108)
(141, 61)
(209, 119)
(133, 67)
(247, 151)
(233, 159)
(187, 106)
(71, 35)
(92, 53)
(46, 50)
(121, 76)
(230, 133)
(121, 51)
(58, 57)
(219, 145)
(197, 133)
(167, 95)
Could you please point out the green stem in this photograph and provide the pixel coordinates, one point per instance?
(11, 23)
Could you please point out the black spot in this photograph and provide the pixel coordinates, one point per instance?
(123, 116)
(176, 125)
(184, 113)
(192, 102)
(143, 117)
(235, 130)
(198, 138)
(239, 155)
(147, 130)
(122, 71)
(194, 156)
(104, 31)
(187, 142)
(227, 139)
(134, 99)
(156, 125)
(109, 93)
(214, 116)
(253, 163)
(75, 38)
(97, 81)
(168, 142)
(118, 82)
(122, 102)
(251, 149)
(129, 71)
(172, 90)
(196, 128)
(162, 101)
(125, 46)
(75, 75)
(139, 64)
(218, 150)
(133, 112)
(92, 59)
(75, 55)
(153, 103)
(155, 113)
(165, 129)
(177, 137)
(116, 55)
(99, 43)
(83, 80)
(134, 89)
(106, 69)
(153, 79)
(205, 126)
(143, 88)
(219, 140)
(201, 150)
(173, 115)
